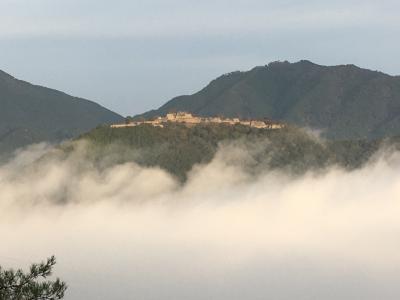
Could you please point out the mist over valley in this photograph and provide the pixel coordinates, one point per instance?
(147, 208)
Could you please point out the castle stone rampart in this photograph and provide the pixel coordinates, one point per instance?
(189, 120)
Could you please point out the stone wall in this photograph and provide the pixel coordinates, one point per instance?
(190, 120)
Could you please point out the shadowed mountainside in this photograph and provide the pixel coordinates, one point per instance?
(31, 114)
(345, 102)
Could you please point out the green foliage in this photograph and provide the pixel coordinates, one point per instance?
(177, 148)
(17, 285)
(347, 102)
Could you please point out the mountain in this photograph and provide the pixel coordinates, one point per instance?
(31, 114)
(344, 102)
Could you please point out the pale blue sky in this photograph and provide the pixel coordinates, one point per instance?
(134, 55)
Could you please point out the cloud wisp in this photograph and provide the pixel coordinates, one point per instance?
(99, 19)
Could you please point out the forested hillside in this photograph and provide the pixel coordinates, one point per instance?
(177, 148)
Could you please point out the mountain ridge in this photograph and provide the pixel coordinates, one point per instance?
(33, 113)
(345, 101)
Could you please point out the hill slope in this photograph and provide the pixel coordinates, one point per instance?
(177, 148)
(31, 114)
(345, 101)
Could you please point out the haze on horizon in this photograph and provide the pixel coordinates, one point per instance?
(132, 56)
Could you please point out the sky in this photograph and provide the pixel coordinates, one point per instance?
(134, 55)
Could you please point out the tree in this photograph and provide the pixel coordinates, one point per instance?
(17, 285)
(128, 119)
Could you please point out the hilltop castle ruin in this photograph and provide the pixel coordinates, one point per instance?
(190, 120)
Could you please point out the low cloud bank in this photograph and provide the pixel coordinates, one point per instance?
(128, 232)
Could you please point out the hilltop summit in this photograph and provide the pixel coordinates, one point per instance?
(191, 120)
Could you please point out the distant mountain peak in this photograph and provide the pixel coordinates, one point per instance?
(279, 63)
(31, 114)
(344, 101)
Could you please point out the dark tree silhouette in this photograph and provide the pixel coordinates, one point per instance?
(32, 285)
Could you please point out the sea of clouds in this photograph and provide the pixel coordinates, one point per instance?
(128, 232)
